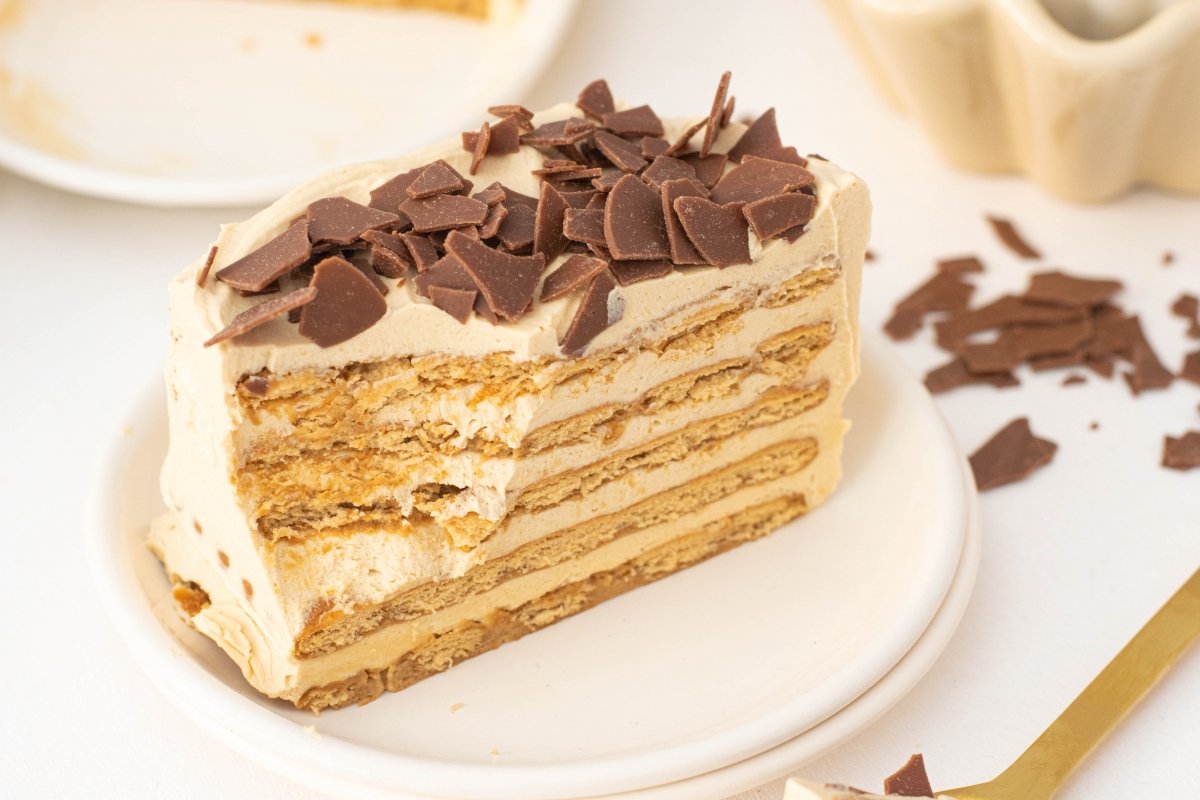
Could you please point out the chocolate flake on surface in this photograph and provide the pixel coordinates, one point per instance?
(639, 121)
(263, 313)
(760, 139)
(709, 169)
(666, 168)
(1011, 238)
(945, 291)
(1168, 258)
(1060, 289)
(548, 238)
(1002, 312)
(628, 273)
(955, 374)
(1073, 379)
(389, 240)
(340, 220)
(595, 314)
(507, 282)
(910, 780)
(482, 140)
(960, 265)
(561, 132)
(718, 232)
(1191, 368)
(713, 121)
(584, 225)
(387, 262)
(262, 267)
(680, 144)
(772, 216)
(608, 179)
(491, 225)
(458, 303)
(1016, 345)
(504, 138)
(436, 178)
(388, 195)
(202, 275)
(514, 198)
(347, 303)
(522, 114)
(442, 212)
(623, 155)
(596, 99)
(448, 273)
(634, 227)
(573, 274)
(727, 113)
(1182, 452)
(491, 196)
(423, 252)
(653, 147)
(516, 229)
(1012, 454)
(682, 249)
(756, 178)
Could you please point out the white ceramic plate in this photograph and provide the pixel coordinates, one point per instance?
(700, 671)
(220, 102)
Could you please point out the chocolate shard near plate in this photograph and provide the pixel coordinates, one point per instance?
(954, 374)
(263, 313)
(628, 273)
(756, 178)
(437, 178)
(262, 267)
(1182, 452)
(623, 155)
(639, 121)
(1011, 455)
(718, 232)
(634, 227)
(548, 238)
(341, 220)
(712, 123)
(666, 168)
(760, 139)
(911, 780)
(1191, 368)
(960, 265)
(600, 309)
(572, 274)
(1008, 234)
(507, 282)
(709, 169)
(347, 303)
(1016, 345)
(945, 291)
(443, 212)
(682, 249)
(596, 99)
(584, 225)
(771, 216)
(458, 303)
(1060, 289)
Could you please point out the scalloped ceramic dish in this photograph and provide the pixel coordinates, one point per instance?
(1087, 97)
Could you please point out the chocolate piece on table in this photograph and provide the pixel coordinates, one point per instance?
(495, 218)
(458, 303)
(638, 121)
(596, 312)
(1148, 371)
(634, 227)
(623, 155)
(960, 265)
(517, 228)
(945, 291)
(718, 232)
(1168, 258)
(666, 168)
(682, 249)
(713, 121)
(436, 178)
(1181, 452)
(756, 178)
(772, 216)
(1060, 289)
(1019, 343)
(954, 374)
(263, 313)
(680, 144)
(653, 147)
(1012, 239)
(1002, 312)
(1073, 379)
(442, 212)
(482, 140)
(596, 99)
(628, 273)
(760, 139)
(910, 780)
(548, 238)
(709, 169)
(507, 282)
(424, 254)
(1010, 455)
(347, 303)
(262, 267)
(202, 275)
(1191, 368)
(574, 273)
(584, 225)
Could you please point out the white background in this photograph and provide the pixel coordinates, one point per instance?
(1074, 561)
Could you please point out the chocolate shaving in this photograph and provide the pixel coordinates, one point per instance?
(263, 313)
(518, 112)
(202, 276)
(548, 238)
(387, 262)
(1073, 379)
(596, 99)
(1182, 452)
(709, 169)
(504, 138)
(945, 291)
(517, 229)
(555, 166)
(666, 168)
(347, 303)
(458, 303)
(574, 273)
(597, 311)
(654, 146)
(513, 197)
(1018, 344)
(1012, 239)
(448, 273)
(389, 240)
(639, 121)
(634, 227)
(507, 282)
(760, 139)
(772, 216)
(1010, 455)
(959, 266)
(713, 121)
(341, 221)
(680, 144)
(1191, 368)
(492, 195)
(910, 780)
(262, 267)
(718, 232)
(1005, 311)
(389, 195)
(444, 211)
(1148, 371)
(584, 225)
(631, 272)
(623, 155)
(756, 178)
(367, 270)
(579, 199)
(682, 249)
(560, 132)
(608, 179)
(727, 114)
(491, 225)
(482, 141)
(437, 178)
(955, 374)
(424, 254)
(1059, 289)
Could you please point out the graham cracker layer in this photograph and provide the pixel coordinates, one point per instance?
(502, 625)
(328, 631)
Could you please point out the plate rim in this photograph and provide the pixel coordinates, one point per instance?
(191, 687)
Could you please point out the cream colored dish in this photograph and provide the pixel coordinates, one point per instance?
(1088, 98)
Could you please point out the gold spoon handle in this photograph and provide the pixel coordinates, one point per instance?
(1049, 761)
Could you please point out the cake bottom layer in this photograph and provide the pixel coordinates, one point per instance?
(505, 625)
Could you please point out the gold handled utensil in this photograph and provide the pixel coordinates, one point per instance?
(1042, 769)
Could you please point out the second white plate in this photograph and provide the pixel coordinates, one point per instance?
(702, 670)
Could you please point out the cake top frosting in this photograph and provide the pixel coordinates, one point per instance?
(622, 197)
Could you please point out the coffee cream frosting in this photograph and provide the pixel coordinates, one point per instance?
(262, 589)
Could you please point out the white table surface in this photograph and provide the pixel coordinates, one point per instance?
(1074, 561)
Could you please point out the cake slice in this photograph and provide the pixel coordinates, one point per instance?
(420, 408)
